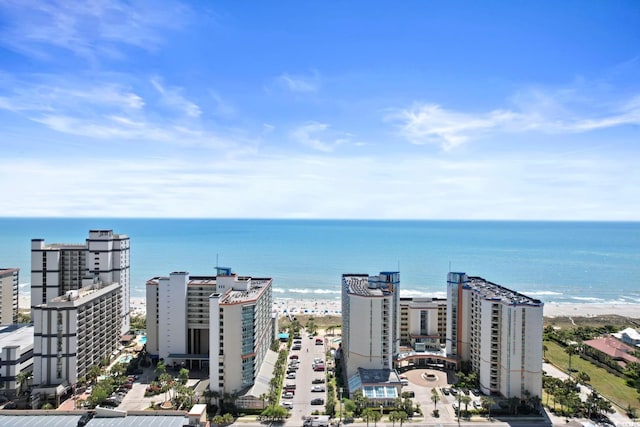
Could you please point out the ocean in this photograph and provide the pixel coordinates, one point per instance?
(559, 262)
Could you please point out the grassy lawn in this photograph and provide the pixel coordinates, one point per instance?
(610, 386)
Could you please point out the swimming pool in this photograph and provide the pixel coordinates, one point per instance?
(142, 340)
(125, 359)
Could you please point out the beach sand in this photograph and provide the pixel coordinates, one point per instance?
(333, 307)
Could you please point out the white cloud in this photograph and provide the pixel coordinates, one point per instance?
(300, 83)
(523, 187)
(172, 97)
(99, 28)
(563, 111)
(310, 134)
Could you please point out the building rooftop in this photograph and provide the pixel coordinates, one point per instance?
(365, 285)
(492, 291)
(80, 296)
(613, 348)
(255, 287)
(16, 335)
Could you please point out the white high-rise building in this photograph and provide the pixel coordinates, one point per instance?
(240, 316)
(224, 322)
(75, 331)
(58, 268)
(499, 332)
(370, 321)
(9, 295)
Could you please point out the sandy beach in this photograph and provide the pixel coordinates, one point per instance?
(333, 307)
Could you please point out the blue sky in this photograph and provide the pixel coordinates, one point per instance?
(321, 109)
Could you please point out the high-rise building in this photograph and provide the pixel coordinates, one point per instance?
(75, 331)
(58, 268)
(370, 321)
(9, 295)
(178, 318)
(498, 332)
(224, 322)
(240, 316)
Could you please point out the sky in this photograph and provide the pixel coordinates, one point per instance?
(491, 110)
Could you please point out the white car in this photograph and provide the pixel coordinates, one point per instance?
(317, 388)
(291, 376)
(288, 405)
(288, 395)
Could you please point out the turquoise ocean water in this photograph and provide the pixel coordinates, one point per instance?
(553, 261)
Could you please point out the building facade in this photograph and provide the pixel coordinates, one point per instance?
(370, 321)
(75, 331)
(241, 322)
(223, 322)
(423, 323)
(498, 332)
(16, 355)
(9, 281)
(59, 268)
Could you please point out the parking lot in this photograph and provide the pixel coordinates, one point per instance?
(305, 377)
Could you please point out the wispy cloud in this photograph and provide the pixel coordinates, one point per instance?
(311, 135)
(99, 28)
(533, 111)
(172, 97)
(299, 83)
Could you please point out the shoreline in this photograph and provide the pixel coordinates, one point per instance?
(333, 307)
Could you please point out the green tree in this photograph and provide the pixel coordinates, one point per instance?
(583, 377)
(487, 402)
(465, 400)
(435, 398)
(571, 349)
(22, 379)
(183, 376)
(93, 373)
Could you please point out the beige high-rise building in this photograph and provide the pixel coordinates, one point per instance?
(370, 321)
(9, 281)
(499, 332)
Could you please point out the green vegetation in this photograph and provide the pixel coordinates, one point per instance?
(607, 384)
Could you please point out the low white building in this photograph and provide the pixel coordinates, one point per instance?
(16, 355)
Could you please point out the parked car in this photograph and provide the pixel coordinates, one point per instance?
(291, 376)
(290, 386)
(318, 381)
(454, 392)
(317, 388)
(445, 391)
(288, 395)
(319, 341)
(296, 347)
(288, 405)
(318, 368)
(293, 356)
(317, 401)
(475, 392)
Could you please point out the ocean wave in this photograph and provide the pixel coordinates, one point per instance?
(307, 291)
(592, 299)
(413, 293)
(542, 293)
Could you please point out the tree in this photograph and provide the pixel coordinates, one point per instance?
(571, 349)
(487, 402)
(93, 373)
(583, 377)
(544, 351)
(21, 379)
(465, 400)
(435, 398)
(183, 376)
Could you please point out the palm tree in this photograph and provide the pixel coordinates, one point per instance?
(583, 377)
(435, 398)
(466, 400)
(544, 351)
(571, 349)
(21, 379)
(487, 402)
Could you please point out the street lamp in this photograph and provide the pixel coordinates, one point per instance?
(340, 405)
